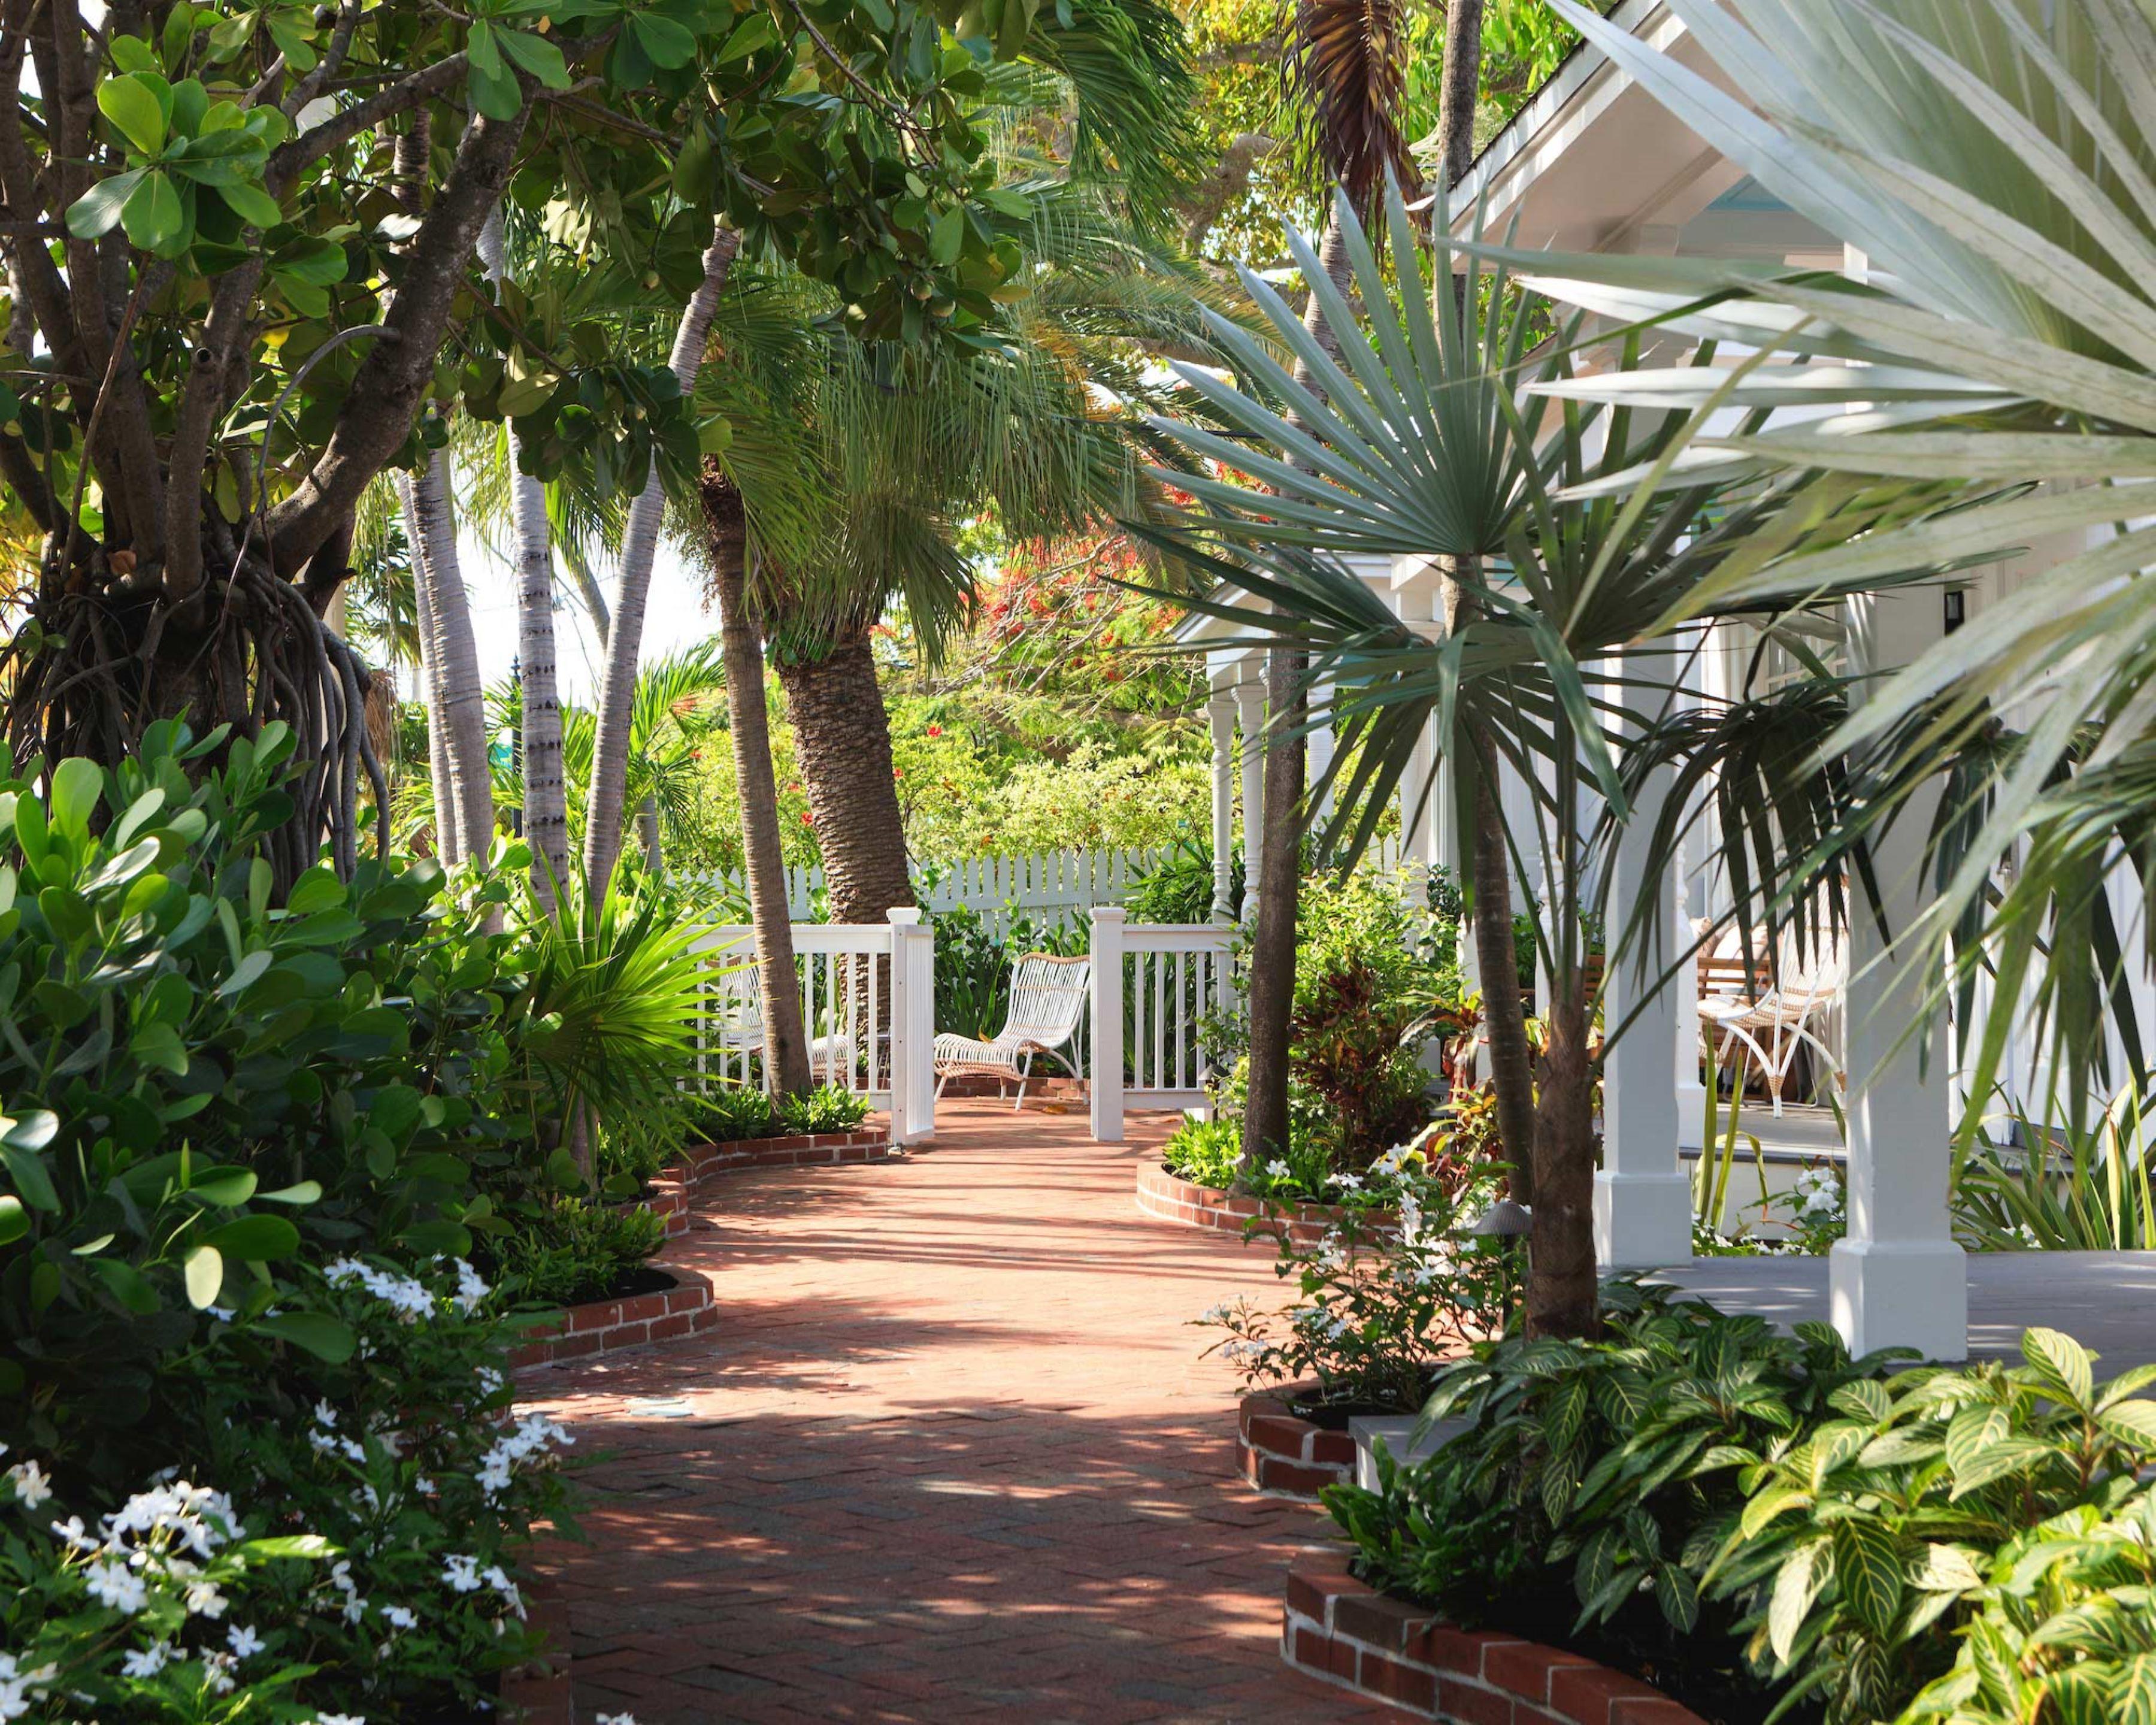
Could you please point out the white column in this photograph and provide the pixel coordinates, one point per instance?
(1415, 814)
(1250, 701)
(1898, 1277)
(1220, 719)
(1322, 742)
(1106, 1042)
(912, 1027)
(1691, 1091)
(1642, 1200)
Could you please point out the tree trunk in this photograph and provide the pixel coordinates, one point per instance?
(647, 835)
(460, 700)
(546, 799)
(617, 704)
(1279, 865)
(785, 1044)
(842, 741)
(1459, 89)
(1561, 1277)
(448, 823)
(546, 795)
(587, 588)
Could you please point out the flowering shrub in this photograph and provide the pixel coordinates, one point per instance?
(152, 1613)
(1379, 1306)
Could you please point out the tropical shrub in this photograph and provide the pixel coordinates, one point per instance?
(1800, 1522)
(1179, 887)
(1379, 1302)
(734, 1112)
(570, 1249)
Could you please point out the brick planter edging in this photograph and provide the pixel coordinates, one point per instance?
(1279, 1451)
(699, 1162)
(1164, 1196)
(688, 1308)
(1334, 1628)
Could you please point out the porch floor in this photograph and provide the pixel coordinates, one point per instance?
(2107, 1300)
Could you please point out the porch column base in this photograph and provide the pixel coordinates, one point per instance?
(1641, 1221)
(1901, 1293)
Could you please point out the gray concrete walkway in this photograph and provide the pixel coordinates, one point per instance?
(2107, 1300)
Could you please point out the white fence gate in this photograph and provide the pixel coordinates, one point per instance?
(1155, 985)
(868, 1004)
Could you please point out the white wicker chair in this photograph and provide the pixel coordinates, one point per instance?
(1772, 1025)
(830, 1058)
(1047, 1001)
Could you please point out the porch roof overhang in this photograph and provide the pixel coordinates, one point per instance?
(1593, 162)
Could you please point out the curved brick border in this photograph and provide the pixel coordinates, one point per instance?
(1279, 1452)
(609, 1326)
(1167, 1198)
(1335, 1628)
(699, 1162)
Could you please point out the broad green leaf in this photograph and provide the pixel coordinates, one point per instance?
(306, 1192)
(14, 1219)
(139, 104)
(205, 1275)
(1868, 1562)
(246, 972)
(947, 238)
(2064, 1361)
(153, 215)
(537, 56)
(227, 1187)
(77, 785)
(255, 1239)
(325, 1337)
(2130, 1422)
(125, 1284)
(1796, 1585)
(666, 44)
(251, 204)
(26, 1170)
(287, 1545)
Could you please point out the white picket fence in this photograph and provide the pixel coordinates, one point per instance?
(1155, 986)
(868, 1002)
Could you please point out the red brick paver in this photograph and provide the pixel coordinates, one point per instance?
(950, 1454)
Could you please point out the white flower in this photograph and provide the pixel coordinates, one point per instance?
(470, 1288)
(423, 1486)
(461, 1573)
(116, 1586)
(1277, 1169)
(500, 1583)
(244, 1640)
(489, 1380)
(204, 1600)
(202, 1519)
(410, 1299)
(31, 1486)
(1346, 1183)
(71, 1534)
(401, 1617)
(338, 1719)
(147, 1661)
(18, 1687)
(325, 1415)
(219, 1666)
(617, 1719)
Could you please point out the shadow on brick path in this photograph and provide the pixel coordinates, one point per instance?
(951, 1454)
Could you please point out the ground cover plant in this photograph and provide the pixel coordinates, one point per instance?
(1767, 1527)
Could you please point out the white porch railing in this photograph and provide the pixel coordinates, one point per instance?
(868, 1004)
(1155, 985)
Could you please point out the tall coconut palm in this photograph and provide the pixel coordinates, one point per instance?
(603, 825)
(908, 447)
(1415, 442)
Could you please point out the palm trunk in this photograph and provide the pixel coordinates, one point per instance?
(546, 795)
(447, 821)
(842, 741)
(1279, 866)
(647, 835)
(1561, 1276)
(785, 1044)
(459, 702)
(546, 800)
(609, 786)
(587, 588)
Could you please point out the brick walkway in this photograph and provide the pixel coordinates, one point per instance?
(951, 1455)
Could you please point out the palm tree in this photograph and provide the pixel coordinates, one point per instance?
(1996, 168)
(909, 447)
(1415, 441)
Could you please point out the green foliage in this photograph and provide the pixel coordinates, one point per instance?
(1205, 1152)
(1178, 888)
(1379, 1302)
(567, 1249)
(2065, 1186)
(734, 1113)
(1842, 1532)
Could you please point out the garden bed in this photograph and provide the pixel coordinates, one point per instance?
(540, 1692)
(1167, 1198)
(1280, 1451)
(1334, 1628)
(686, 1307)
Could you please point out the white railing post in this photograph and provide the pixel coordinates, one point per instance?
(912, 1027)
(1106, 1066)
